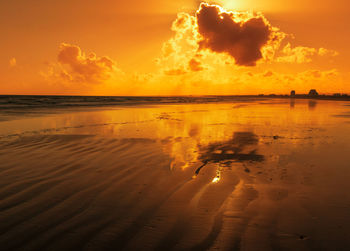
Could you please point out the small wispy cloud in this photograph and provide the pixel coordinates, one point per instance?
(13, 62)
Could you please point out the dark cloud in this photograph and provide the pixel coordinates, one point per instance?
(228, 32)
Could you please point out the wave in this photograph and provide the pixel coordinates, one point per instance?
(30, 102)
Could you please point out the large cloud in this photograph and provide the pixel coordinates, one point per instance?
(216, 38)
(227, 32)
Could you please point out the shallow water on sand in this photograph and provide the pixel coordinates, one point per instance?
(270, 174)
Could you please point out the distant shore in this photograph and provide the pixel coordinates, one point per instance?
(305, 96)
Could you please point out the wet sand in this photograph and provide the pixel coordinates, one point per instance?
(258, 175)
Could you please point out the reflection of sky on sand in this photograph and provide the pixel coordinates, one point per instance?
(204, 133)
(258, 175)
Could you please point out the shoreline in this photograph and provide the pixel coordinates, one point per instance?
(8, 102)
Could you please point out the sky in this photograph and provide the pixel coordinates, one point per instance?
(165, 47)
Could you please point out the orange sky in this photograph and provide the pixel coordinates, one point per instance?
(158, 47)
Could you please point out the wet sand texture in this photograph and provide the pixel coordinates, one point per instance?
(184, 177)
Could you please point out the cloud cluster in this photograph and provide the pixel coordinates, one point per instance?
(302, 54)
(299, 79)
(215, 37)
(204, 56)
(242, 37)
(78, 67)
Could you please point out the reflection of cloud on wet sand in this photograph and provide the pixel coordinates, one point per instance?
(241, 147)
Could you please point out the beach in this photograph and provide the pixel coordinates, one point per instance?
(245, 174)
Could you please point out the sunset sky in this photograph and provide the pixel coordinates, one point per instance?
(184, 47)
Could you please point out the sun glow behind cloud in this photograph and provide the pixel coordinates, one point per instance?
(231, 47)
(234, 4)
(274, 5)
